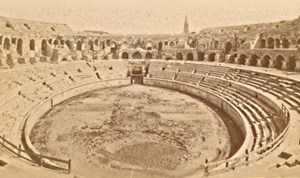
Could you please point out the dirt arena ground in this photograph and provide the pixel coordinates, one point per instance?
(132, 131)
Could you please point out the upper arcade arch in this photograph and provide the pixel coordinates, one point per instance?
(190, 56)
(265, 62)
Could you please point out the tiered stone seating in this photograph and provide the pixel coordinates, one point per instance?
(281, 88)
(261, 130)
(189, 77)
(262, 118)
(110, 69)
(12, 114)
(23, 88)
(217, 71)
(162, 74)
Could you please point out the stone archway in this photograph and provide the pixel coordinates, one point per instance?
(44, 47)
(79, 45)
(231, 59)
(50, 41)
(91, 45)
(6, 44)
(277, 43)
(97, 42)
(212, 57)
(298, 42)
(20, 46)
(148, 56)
(137, 55)
(253, 60)
(32, 45)
(56, 42)
(107, 42)
(262, 43)
(285, 43)
(228, 47)
(279, 61)
(70, 45)
(190, 57)
(265, 62)
(125, 55)
(200, 56)
(179, 56)
(160, 46)
(270, 43)
(291, 63)
(242, 59)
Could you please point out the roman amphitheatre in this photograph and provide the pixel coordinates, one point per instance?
(222, 102)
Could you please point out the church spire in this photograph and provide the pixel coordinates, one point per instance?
(186, 25)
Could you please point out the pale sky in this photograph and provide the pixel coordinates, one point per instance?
(150, 16)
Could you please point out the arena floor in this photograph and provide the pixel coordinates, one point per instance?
(133, 130)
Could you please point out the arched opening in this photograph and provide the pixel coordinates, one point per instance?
(190, 57)
(91, 45)
(179, 56)
(212, 57)
(172, 44)
(193, 43)
(32, 45)
(97, 42)
(200, 56)
(228, 47)
(291, 63)
(262, 43)
(125, 55)
(108, 42)
(285, 43)
(231, 59)
(20, 46)
(242, 59)
(102, 45)
(62, 42)
(44, 47)
(148, 56)
(50, 41)
(137, 55)
(6, 45)
(253, 60)
(278, 62)
(56, 42)
(266, 61)
(277, 43)
(160, 45)
(298, 42)
(113, 48)
(79, 46)
(270, 43)
(216, 44)
(70, 45)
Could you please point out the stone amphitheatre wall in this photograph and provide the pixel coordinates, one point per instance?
(28, 42)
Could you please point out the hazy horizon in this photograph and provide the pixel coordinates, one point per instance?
(151, 16)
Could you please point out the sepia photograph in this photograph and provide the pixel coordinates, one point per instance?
(150, 89)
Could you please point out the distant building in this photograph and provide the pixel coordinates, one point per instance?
(186, 26)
